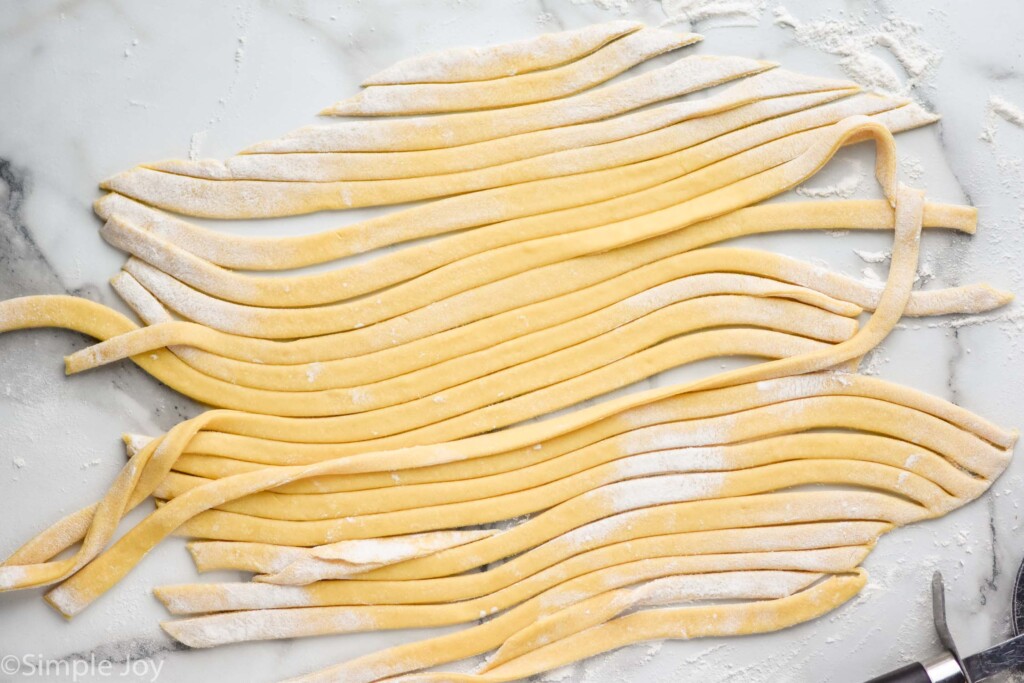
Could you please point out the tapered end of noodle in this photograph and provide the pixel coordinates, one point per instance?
(182, 634)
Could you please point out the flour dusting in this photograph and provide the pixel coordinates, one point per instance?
(858, 43)
(998, 108)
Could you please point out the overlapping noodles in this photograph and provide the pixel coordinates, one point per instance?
(104, 570)
(716, 619)
(547, 296)
(456, 213)
(581, 273)
(715, 191)
(451, 130)
(547, 238)
(567, 556)
(332, 166)
(647, 452)
(418, 260)
(659, 155)
(455, 65)
(513, 90)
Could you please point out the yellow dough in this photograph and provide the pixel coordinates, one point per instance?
(331, 166)
(450, 130)
(792, 547)
(646, 159)
(96, 575)
(360, 279)
(512, 90)
(591, 278)
(374, 420)
(623, 459)
(221, 629)
(719, 197)
(505, 59)
(719, 620)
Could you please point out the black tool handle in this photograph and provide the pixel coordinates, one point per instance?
(911, 673)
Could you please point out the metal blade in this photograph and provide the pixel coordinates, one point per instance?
(1006, 656)
(1018, 602)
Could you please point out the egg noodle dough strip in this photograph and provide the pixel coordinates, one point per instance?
(642, 160)
(334, 166)
(221, 629)
(610, 334)
(573, 500)
(702, 621)
(453, 354)
(518, 578)
(586, 72)
(459, 64)
(239, 451)
(697, 291)
(348, 282)
(547, 296)
(575, 473)
(681, 77)
(458, 212)
(31, 574)
(720, 188)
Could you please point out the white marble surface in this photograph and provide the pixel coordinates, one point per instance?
(89, 88)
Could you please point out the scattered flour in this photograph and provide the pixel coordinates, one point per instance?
(872, 256)
(856, 42)
(843, 189)
(691, 12)
(998, 108)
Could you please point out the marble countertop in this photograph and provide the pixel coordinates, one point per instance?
(90, 88)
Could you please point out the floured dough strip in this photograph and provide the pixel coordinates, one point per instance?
(262, 198)
(565, 512)
(727, 619)
(520, 578)
(712, 191)
(559, 284)
(667, 180)
(450, 130)
(601, 65)
(445, 215)
(331, 166)
(498, 205)
(984, 459)
(489, 352)
(619, 460)
(458, 64)
(705, 621)
(221, 629)
(893, 300)
(452, 347)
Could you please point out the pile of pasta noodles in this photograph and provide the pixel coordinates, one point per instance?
(388, 447)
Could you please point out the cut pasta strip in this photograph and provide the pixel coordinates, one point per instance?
(665, 154)
(521, 577)
(615, 461)
(334, 166)
(221, 629)
(563, 516)
(741, 618)
(719, 190)
(683, 76)
(454, 213)
(463, 314)
(389, 270)
(466, 363)
(594, 69)
(105, 569)
(455, 65)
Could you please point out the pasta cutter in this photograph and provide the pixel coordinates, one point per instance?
(949, 666)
